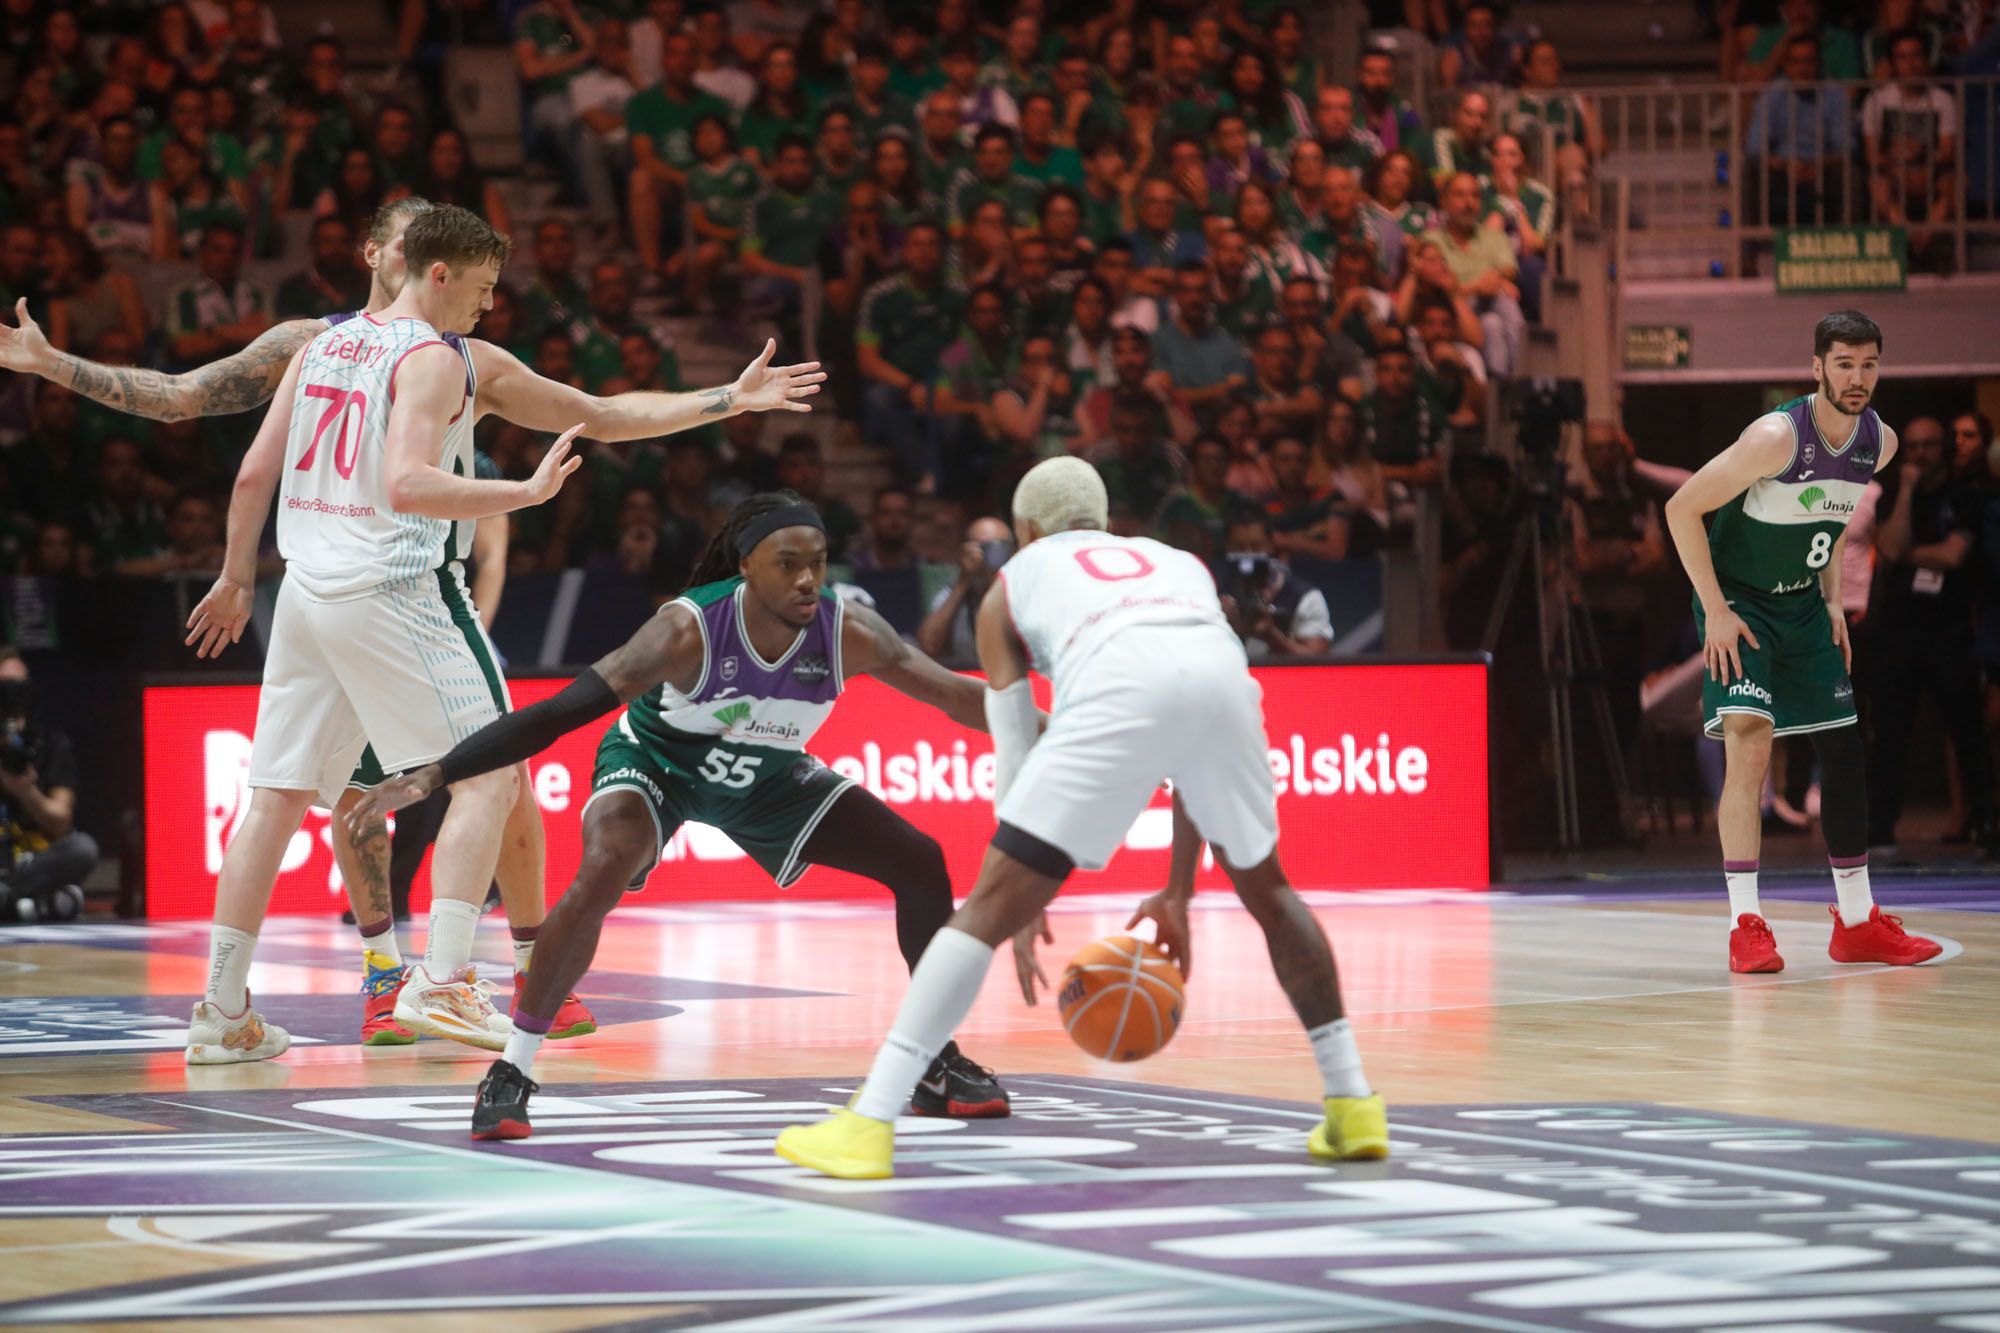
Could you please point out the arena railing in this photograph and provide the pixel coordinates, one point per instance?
(1688, 180)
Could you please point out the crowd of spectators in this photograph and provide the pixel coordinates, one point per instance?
(1238, 282)
(1846, 121)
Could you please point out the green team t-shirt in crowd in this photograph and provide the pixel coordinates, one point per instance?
(908, 325)
(787, 228)
(724, 190)
(1022, 198)
(1061, 167)
(668, 124)
(552, 36)
(759, 129)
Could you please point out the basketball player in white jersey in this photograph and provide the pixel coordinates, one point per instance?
(502, 385)
(370, 436)
(1150, 683)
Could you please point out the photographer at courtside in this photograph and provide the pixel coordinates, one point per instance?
(43, 858)
(1275, 612)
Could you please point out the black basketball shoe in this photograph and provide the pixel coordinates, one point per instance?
(954, 1086)
(502, 1109)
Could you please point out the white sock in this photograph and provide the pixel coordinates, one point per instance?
(1339, 1059)
(941, 993)
(523, 951)
(1741, 877)
(1857, 900)
(229, 954)
(383, 946)
(521, 1048)
(449, 947)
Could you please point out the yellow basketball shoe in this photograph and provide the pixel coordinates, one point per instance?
(1355, 1127)
(846, 1145)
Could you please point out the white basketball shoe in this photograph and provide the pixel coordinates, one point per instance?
(459, 1007)
(217, 1038)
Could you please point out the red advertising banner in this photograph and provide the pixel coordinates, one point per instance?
(1380, 771)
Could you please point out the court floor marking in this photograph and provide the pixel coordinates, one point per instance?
(1545, 1146)
(362, 1268)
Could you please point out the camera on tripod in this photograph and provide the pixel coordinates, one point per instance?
(1540, 408)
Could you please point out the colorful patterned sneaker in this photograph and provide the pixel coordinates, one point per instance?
(572, 1020)
(501, 1111)
(1879, 939)
(459, 1007)
(954, 1086)
(1752, 946)
(216, 1038)
(1355, 1128)
(378, 1011)
(847, 1145)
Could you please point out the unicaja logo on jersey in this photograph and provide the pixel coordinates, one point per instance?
(1811, 496)
(733, 714)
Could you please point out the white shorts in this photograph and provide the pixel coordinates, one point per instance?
(408, 668)
(1160, 702)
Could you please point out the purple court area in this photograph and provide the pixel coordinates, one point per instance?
(1101, 1204)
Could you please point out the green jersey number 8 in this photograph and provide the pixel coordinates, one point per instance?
(1820, 551)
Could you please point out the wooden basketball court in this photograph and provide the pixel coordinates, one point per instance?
(1597, 1127)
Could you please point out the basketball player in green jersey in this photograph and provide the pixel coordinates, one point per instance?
(1766, 575)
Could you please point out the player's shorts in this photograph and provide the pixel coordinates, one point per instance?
(771, 817)
(1795, 676)
(1159, 702)
(368, 772)
(406, 667)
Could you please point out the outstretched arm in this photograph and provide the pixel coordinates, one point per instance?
(521, 396)
(234, 384)
(428, 391)
(870, 646)
(667, 647)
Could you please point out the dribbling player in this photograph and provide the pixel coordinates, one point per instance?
(1766, 575)
(365, 644)
(1150, 683)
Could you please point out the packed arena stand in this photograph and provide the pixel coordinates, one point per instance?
(1252, 261)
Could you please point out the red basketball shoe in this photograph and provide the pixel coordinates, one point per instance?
(1879, 939)
(572, 1020)
(378, 1010)
(1752, 947)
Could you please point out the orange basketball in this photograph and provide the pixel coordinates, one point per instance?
(1121, 998)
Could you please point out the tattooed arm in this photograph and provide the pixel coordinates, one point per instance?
(234, 384)
(521, 396)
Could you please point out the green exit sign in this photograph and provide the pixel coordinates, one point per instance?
(1842, 259)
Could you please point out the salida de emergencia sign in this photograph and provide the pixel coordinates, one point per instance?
(1842, 259)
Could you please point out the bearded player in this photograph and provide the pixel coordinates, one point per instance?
(1150, 683)
(1766, 575)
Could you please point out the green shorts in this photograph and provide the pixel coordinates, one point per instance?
(1795, 676)
(368, 773)
(770, 818)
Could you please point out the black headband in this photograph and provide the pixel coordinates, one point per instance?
(762, 526)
